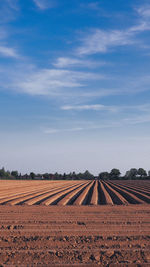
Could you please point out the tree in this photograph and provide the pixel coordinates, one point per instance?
(14, 174)
(2, 172)
(141, 172)
(32, 175)
(46, 175)
(87, 175)
(114, 174)
(131, 174)
(103, 176)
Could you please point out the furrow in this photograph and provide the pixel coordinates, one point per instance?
(19, 196)
(137, 188)
(50, 198)
(72, 195)
(94, 198)
(15, 194)
(142, 196)
(116, 196)
(131, 198)
(82, 197)
(34, 192)
(22, 200)
(24, 189)
(106, 194)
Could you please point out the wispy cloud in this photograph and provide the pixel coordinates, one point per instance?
(79, 129)
(67, 62)
(53, 82)
(114, 108)
(44, 4)
(93, 5)
(75, 86)
(53, 131)
(138, 119)
(101, 41)
(13, 4)
(144, 11)
(124, 120)
(96, 107)
(8, 52)
(8, 10)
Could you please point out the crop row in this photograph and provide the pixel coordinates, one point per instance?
(74, 193)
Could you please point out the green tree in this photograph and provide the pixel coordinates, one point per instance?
(142, 172)
(104, 175)
(46, 175)
(14, 174)
(32, 175)
(114, 174)
(2, 172)
(131, 174)
(87, 175)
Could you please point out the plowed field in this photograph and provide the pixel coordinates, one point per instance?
(67, 223)
(74, 192)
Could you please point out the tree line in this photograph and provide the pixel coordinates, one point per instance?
(114, 174)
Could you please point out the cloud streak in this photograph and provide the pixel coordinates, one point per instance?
(8, 10)
(95, 107)
(101, 41)
(52, 82)
(70, 62)
(8, 52)
(44, 4)
(100, 107)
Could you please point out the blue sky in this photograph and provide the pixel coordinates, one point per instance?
(74, 85)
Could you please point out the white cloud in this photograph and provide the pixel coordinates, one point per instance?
(96, 107)
(53, 131)
(108, 122)
(66, 62)
(78, 129)
(138, 119)
(92, 6)
(144, 11)
(54, 81)
(44, 4)
(100, 41)
(8, 52)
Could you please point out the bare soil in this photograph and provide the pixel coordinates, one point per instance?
(75, 235)
(74, 223)
(74, 192)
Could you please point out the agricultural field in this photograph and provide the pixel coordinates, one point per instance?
(74, 192)
(71, 223)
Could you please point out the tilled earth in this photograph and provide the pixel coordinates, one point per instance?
(74, 193)
(108, 235)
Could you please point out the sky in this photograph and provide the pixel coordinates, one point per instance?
(74, 85)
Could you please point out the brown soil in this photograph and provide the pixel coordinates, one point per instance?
(82, 234)
(74, 192)
(106, 235)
